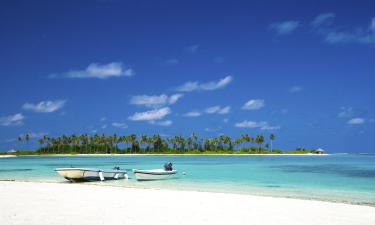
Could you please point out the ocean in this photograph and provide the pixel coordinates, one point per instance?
(339, 178)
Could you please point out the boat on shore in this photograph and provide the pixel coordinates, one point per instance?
(91, 174)
(155, 174)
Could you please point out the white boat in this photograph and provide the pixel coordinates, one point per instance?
(114, 174)
(156, 174)
(88, 174)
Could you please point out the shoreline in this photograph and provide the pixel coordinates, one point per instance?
(7, 156)
(214, 154)
(257, 194)
(65, 203)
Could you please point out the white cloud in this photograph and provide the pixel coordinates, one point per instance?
(268, 127)
(213, 85)
(193, 48)
(250, 124)
(212, 129)
(103, 119)
(253, 124)
(174, 98)
(12, 120)
(104, 126)
(295, 89)
(192, 114)
(285, 27)
(101, 71)
(357, 35)
(345, 112)
(155, 101)
(218, 109)
(44, 106)
(356, 121)
(120, 125)
(164, 123)
(226, 120)
(323, 19)
(156, 114)
(254, 104)
(210, 110)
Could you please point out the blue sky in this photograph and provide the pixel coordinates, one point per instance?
(304, 71)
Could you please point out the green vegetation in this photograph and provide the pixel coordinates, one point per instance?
(155, 144)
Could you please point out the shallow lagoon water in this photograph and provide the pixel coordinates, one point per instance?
(342, 178)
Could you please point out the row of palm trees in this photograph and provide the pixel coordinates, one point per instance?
(86, 144)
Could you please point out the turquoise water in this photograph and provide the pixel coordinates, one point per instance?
(342, 178)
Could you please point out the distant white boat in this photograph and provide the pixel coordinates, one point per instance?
(155, 174)
(88, 174)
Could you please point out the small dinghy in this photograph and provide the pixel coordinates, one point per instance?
(88, 174)
(155, 174)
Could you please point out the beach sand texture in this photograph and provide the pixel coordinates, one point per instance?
(54, 203)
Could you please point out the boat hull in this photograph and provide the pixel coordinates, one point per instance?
(144, 175)
(115, 175)
(84, 174)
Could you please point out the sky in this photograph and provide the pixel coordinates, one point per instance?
(304, 71)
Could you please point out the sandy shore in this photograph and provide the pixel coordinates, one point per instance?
(7, 156)
(53, 203)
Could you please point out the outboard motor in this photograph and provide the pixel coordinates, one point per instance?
(168, 166)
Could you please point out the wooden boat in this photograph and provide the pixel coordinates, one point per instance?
(91, 174)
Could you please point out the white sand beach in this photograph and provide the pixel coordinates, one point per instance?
(54, 203)
(7, 156)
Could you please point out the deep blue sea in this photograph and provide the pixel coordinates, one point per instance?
(342, 178)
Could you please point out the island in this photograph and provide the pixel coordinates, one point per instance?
(157, 144)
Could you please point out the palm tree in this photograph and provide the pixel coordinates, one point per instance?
(27, 138)
(259, 140)
(142, 141)
(133, 141)
(19, 139)
(272, 138)
(238, 141)
(194, 138)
